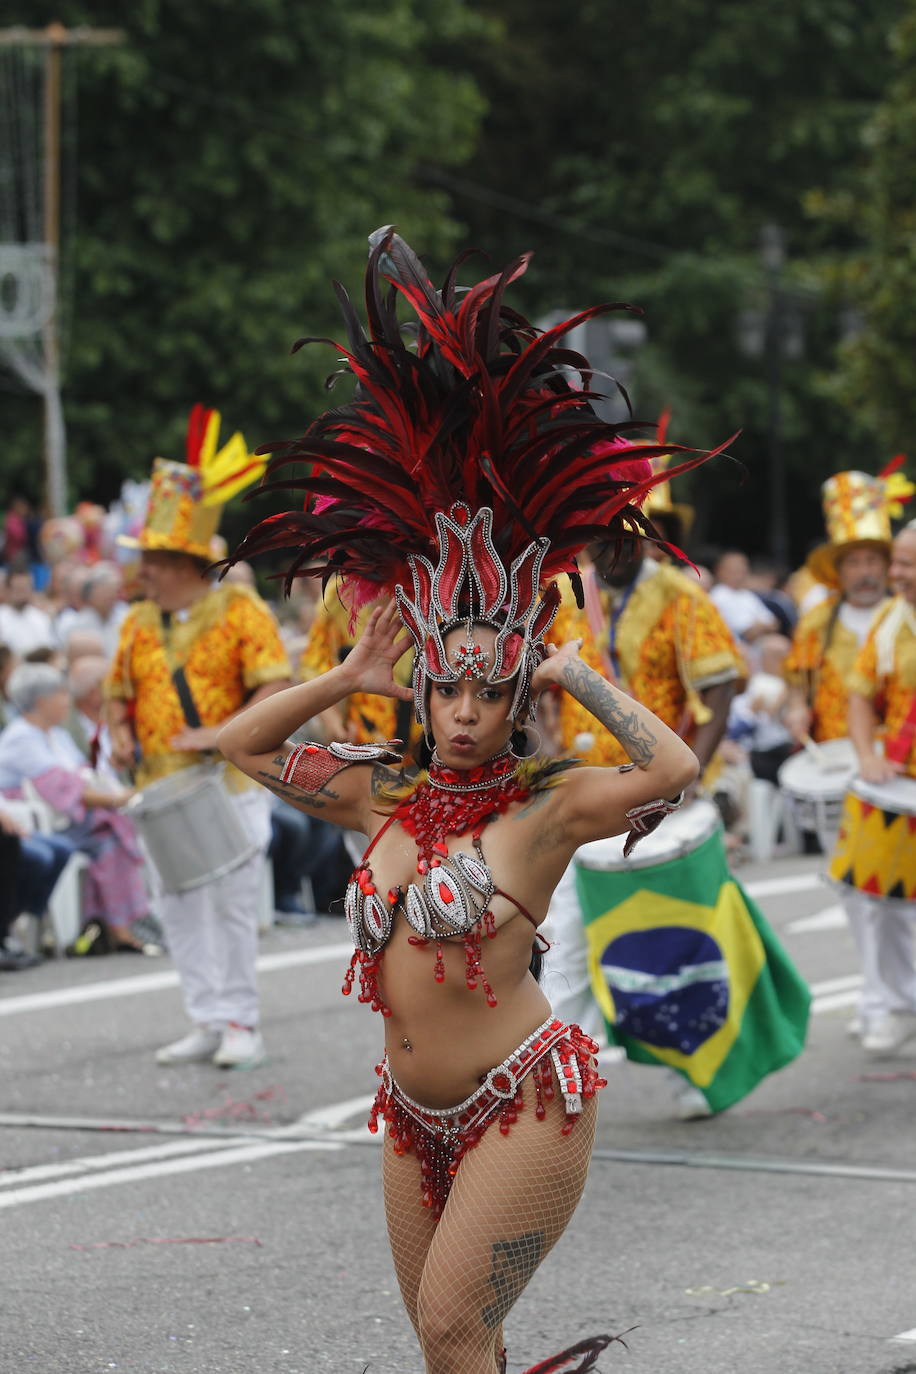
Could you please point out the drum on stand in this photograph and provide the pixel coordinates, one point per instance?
(876, 846)
(190, 828)
(814, 783)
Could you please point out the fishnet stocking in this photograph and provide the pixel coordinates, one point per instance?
(510, 1202)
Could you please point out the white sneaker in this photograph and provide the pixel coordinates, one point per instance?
(240, 1048)
(196, 1048)
(890, 1034)
(691, 1104)
(855, 1028)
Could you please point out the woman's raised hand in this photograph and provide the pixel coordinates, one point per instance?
(550, 670)
(370, 663)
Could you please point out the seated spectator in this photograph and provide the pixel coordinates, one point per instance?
(82, 644)
(312, 850)
(757, 716)
(55, 658)
(767, 582)
(741, 609)
(86, 722)
(24, 626)
(7, 664)
(31, 865)
(36, 749)
(72, 586)
(103, 609)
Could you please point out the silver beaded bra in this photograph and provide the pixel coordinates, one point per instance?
(452, 899)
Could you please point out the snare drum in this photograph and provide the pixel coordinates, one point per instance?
(876, 846)
(190, 827)
(815, 784)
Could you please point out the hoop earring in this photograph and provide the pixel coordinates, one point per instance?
(533, 730)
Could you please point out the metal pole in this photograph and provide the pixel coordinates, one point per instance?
(54, 38)
(55, 441)
(773, 253)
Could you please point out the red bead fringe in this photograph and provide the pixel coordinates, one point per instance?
(439, 1159)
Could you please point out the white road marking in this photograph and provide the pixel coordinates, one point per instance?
(39, 1173)
(830, 918)
(778, 887)
(829, 985)
(329, 1118)
(905, 1335)
(157, 982)
(214, 1159)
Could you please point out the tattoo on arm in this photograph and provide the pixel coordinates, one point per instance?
(590, 688)
(514, 1261)
(382, 779)
(315, 801)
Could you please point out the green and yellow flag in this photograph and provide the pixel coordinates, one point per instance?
(688, 973)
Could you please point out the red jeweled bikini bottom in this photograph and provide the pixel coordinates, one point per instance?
(441, 1138)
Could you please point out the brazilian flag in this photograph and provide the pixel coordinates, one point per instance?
(688, 973)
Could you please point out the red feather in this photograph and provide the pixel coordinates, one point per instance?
(475, 405)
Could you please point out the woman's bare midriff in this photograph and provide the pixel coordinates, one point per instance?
(454, 1036)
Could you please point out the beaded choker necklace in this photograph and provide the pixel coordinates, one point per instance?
(453, 801)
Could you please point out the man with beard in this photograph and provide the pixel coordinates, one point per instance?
(853, 564)
(873, 862)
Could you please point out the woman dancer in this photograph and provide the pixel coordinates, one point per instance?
(488, 1102)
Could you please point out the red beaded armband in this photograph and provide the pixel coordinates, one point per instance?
(311, 766)
(645, 818)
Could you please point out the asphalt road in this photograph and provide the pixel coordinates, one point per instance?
(202, 1222)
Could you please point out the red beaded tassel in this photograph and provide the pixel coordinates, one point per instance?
(368, 965)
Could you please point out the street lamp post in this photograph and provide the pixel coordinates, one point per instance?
(772, 250)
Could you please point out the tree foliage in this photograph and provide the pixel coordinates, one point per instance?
(877, 376)
(640, 151)
(233, 158)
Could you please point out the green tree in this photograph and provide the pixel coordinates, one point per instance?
(640, 150)
(877, 376)
(232, 159)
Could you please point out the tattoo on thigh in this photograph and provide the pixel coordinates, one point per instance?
(514, 1261)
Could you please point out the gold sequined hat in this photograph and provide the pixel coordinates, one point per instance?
(857, 512)
(186, 499)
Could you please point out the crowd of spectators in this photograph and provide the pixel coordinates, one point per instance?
(59, 793)
(60, 618)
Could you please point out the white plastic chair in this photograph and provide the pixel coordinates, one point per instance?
(767, 812)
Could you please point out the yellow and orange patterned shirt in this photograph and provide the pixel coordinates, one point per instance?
(227, 643)
(671, 643)
(371, 717)
(820, 663)
(885, 672)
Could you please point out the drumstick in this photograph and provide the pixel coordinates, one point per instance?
(811, 748)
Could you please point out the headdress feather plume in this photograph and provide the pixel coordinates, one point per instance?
(470, 403)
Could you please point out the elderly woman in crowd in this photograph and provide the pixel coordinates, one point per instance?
(36, 749)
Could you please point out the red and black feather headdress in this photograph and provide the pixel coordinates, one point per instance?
(466, 409)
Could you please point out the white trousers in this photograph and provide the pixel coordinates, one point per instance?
(564, 978)
(212, 931)
(883, 931)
